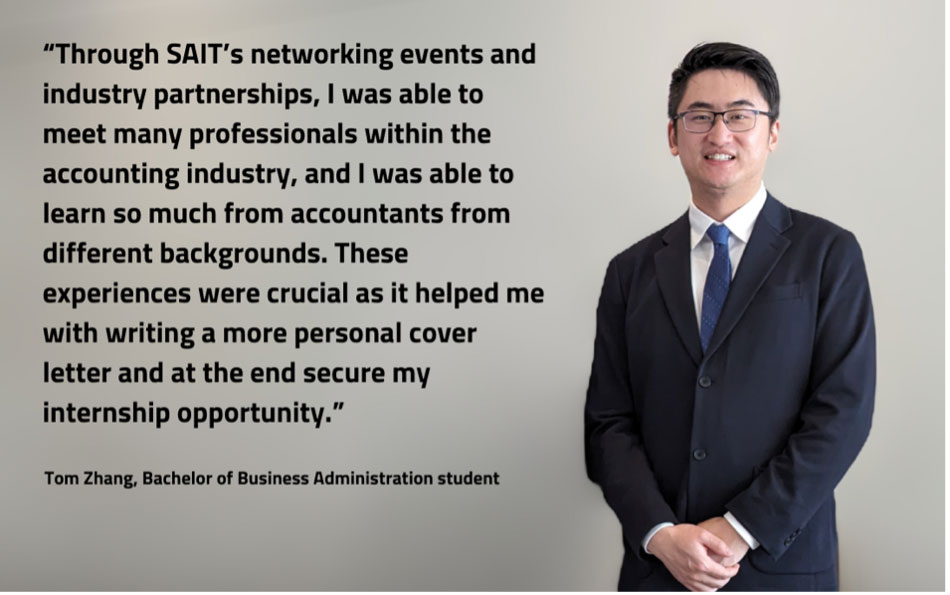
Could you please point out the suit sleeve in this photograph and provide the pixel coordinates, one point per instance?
(835, 417)
(614, 451)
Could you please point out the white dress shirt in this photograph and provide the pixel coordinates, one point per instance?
(740, 225)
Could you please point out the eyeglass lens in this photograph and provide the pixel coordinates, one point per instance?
(738, 120)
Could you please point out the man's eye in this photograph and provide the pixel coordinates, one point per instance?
(699, 117)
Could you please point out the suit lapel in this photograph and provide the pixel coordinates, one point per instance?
(766, 246)
(674, 280)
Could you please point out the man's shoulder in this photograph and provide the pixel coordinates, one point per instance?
(818, 233)
(808, 222)
(645, 248)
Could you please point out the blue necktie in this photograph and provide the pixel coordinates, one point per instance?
(717, 282)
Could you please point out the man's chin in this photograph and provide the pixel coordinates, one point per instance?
(717, 189)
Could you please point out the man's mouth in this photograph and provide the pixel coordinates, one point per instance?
(719, 157)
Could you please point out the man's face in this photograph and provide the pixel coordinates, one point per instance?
(702, 153)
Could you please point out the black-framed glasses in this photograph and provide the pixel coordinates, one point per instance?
(736, 120)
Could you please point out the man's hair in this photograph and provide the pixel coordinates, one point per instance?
(725, 56)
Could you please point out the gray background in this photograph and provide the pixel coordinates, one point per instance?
(861, 144)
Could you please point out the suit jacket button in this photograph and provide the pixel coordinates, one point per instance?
(699, 454)
(705, 382)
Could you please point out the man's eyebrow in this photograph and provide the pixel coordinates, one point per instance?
(709, 106)
(741, 102)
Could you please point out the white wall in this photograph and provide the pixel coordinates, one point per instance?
(861, 144)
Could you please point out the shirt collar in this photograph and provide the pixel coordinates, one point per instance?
(740, 223)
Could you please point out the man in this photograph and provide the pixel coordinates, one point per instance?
(733, 376)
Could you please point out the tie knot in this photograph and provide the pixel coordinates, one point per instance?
(718, 233)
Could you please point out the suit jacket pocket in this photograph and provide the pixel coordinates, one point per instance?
(771, 293)
(813, 550)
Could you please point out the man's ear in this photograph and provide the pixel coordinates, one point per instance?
(773, 136)
(671, 136)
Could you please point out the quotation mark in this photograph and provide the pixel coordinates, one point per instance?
(337, 406)
(48, 47)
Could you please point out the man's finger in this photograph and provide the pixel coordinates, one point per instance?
(706, 583)
(700, 587)
(716, 545)
(717, 571)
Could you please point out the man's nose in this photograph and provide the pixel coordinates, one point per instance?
(719, 131)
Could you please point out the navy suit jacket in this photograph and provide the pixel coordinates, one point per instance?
(764, 423)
